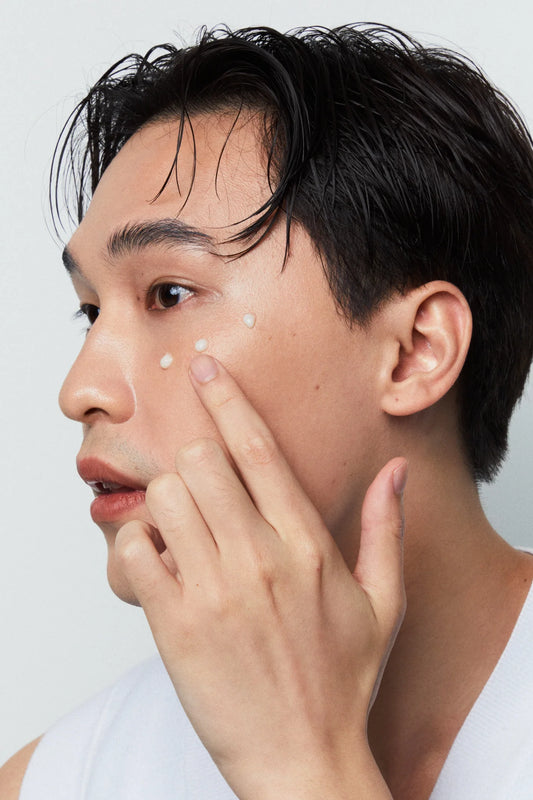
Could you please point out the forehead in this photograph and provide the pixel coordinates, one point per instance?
(217, 180)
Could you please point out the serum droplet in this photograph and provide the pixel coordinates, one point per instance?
(249, 320)
(166, 361)
(200, 345)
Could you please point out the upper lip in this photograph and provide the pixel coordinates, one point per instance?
(104, 478)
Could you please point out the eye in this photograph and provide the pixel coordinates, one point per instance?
(167, 295)
(89, 311)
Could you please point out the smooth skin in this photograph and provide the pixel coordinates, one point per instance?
(303, 414)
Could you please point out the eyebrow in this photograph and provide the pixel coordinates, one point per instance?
(138, 236)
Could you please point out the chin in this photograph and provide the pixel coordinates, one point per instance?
(119, 583)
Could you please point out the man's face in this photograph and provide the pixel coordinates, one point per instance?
(161, 287)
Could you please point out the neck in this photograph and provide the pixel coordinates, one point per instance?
(465, 588)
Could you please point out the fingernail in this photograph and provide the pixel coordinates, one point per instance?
(399, 478)
(204, 368)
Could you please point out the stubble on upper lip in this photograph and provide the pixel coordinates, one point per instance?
(96, 471)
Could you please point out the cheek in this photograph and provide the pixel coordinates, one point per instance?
(168, 412)
(310, 385)
(314, 394)
(166, 397)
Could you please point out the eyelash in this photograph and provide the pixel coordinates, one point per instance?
(90, 312)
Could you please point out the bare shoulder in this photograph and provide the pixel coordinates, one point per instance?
(13, 771)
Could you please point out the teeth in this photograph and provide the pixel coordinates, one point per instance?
(107, 486)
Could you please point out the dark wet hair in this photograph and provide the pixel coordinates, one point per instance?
(402, 162)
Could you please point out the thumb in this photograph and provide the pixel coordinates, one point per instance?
(379, 568)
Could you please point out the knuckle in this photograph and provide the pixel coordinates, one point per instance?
(401, 608)
(220, 603)
(130, 543)
(394, 612)
(211, 605)
(262, 567)
(311, 563)
(313, 557)
(258, 449)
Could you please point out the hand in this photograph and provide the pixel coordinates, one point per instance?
(273, 646)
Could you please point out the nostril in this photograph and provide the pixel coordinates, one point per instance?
(91, 412)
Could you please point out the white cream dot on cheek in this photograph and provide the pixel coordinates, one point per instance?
(200, 345)
(166, 361)
(249, 320)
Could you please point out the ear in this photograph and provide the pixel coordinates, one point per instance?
(429, 331)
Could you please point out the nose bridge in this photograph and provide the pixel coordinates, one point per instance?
(101, 379)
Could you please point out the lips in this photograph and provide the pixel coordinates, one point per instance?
(116, 493)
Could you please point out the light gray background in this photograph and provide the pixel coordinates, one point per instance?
(63, 634)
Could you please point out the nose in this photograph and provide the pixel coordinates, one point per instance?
(99, 384)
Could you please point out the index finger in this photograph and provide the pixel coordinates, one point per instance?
(268, 477)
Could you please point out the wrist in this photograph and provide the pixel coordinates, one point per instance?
(356, 777)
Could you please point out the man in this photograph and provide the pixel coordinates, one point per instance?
(339, 223)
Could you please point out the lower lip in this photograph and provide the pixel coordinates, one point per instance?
(111, 507)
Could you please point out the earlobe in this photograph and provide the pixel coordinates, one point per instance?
(430, 333)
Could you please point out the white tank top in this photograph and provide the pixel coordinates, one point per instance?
(134, 741)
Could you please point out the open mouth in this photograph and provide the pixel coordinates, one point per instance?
(117, 495)
(108, 487)
(114, 501)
